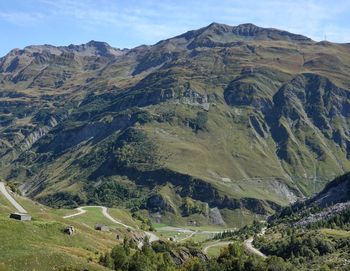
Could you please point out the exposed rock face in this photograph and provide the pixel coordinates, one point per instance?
(251, 30)
(191, 97)
(93, 48)
(273, 110)
(215, 217)
(157, 203)
(333, 199)
(182, 255)
(335, 192)
(223, 35)
(324, 215)
(252, 89)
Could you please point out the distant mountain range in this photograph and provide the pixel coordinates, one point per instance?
(218, 121)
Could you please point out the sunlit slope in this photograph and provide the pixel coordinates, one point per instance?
(230, 117)
(41, 244)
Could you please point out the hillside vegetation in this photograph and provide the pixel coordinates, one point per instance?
(214, 122)
(41, 244)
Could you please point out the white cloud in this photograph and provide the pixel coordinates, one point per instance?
(152, 20)
(21, 18)
(110, 14)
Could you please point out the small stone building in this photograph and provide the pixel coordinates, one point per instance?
(101, 227)
(20, 216)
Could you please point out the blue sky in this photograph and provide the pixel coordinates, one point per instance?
(130, 23)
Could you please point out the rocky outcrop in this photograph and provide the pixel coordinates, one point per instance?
(40, 132)
(216, 35)
(215, 217)
(183, 254)
(70, 230)
(251, 90)
(324, 215)
(192, 97)
(309, 102)
(157, 203)
(91, 131)
(335, 192)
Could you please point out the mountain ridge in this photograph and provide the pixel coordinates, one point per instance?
(253, 122)
(243, 30)
(239, 30)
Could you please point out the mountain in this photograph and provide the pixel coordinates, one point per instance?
(334, 198)
(313, 234)
(337, 191)
(219, 122)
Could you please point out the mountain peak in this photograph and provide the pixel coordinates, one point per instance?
(95, 48)
(216, 25)
(256, 32)
(96, 44)
(223, 33)
(225, 26)
(247, 27)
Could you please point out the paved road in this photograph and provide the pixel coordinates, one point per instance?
(216, 244)
(248, 244)
(189, 231)
(188, 236)
(11, 199)
(81, 210)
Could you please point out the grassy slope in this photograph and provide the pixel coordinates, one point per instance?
(223, 140)
(40, 244)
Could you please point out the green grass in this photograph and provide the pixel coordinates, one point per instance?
(176, 236)
(337, 234)
(159, 225)
(92, 217)
(214, 251)
(223, 152)
(201, 237)
(6, 208)
(41, 244)
(124, 216)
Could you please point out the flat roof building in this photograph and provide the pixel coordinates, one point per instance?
(20, 216)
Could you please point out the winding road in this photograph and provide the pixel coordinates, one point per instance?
(11, 199)
(248, 244)
(216, 244)
(152, 237)
(188, 236)
(81, 210)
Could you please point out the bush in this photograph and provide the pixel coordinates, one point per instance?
(199, 123)
(143, 117)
